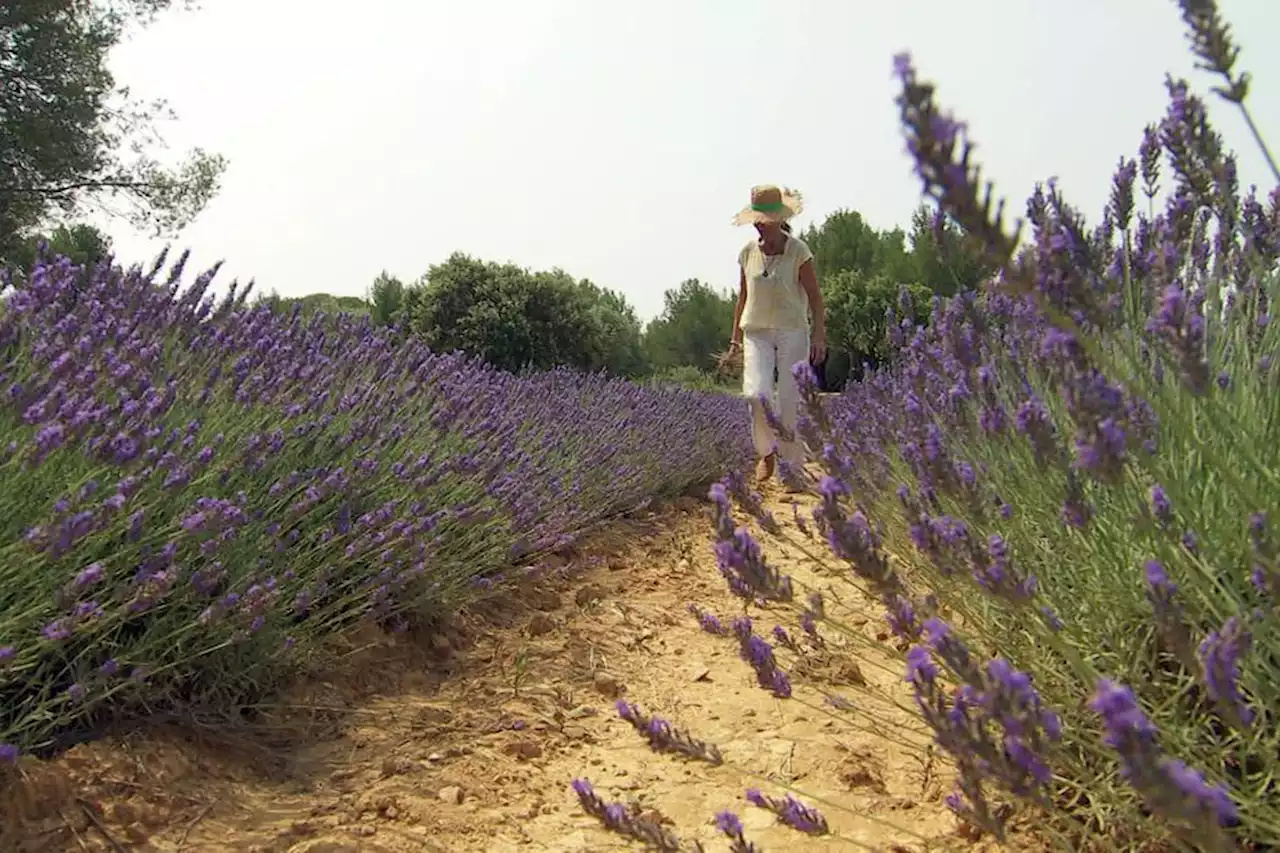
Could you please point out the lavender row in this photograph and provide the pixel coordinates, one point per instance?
(196, 492)
(1078, 468)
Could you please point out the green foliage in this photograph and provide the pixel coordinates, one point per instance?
(517, 319)
(696, 323)
(386, 299)
(84, 245)
(71, 136)
(943, 259)
(513, 318)
(856, 309)
(617, 346)
(846, 243)
(314, 303)
(862, 271)
(692, 378)
(352, 305)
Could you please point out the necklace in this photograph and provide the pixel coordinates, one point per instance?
(767, 261)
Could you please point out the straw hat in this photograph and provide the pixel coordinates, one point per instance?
(770, 204)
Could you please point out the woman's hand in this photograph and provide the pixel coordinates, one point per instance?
(735, 347)
(818, 338)
(818, 347)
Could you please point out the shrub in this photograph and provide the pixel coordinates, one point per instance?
(1078, 466)
(196, 493)
(691, 378)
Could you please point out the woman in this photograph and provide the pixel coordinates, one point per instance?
(777, 294)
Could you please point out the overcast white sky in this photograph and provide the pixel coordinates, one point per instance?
(614, 139)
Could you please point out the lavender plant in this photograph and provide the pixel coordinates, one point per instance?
(1079, 464)
(198, 493)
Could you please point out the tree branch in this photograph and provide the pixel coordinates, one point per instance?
(120, 184)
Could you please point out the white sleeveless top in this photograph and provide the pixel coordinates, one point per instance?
(775, 299)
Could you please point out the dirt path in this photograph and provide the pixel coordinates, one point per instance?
(403, 755)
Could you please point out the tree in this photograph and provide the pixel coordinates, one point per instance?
(353, 305)
(943, 258)
(70, 136)
(512, 318)
(618, 347)
(857, 305)
(845, 242)
(83, 244)
(695, 324)
(386, 298)
(861, 270)
(314, 303)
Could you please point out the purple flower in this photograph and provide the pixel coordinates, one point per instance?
(994, 724)
(1169, 617)
(757, 652)
(58, 629)
(1220, 656)
(618, 818)
(1032, 420)
(921, 670)
(88, 576)
(707, 620)
(663, 737)
(740, 558)
(791, 812)
(1265, 574)
(1167, 785)
(1179, 321)
(994, 571)
(731, 825)
(901, 616)
(1160, 506)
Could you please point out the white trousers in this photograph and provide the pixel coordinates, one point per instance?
(763, 350)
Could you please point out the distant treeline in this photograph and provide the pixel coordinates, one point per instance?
(521, 319)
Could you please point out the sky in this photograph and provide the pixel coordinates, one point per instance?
(616, 140)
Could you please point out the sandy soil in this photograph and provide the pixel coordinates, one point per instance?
(469, 742)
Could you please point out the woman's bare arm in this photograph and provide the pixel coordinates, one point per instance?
(737, 309)
(809, 282)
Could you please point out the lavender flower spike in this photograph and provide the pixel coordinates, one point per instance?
(740, 559)
(1161, 592)
(1170, 788)
(618, 818)
(1220, 655)
(663, 737)
(707, 620)
(731, 825)
(757, 652)
(994, 725)
(791, 812)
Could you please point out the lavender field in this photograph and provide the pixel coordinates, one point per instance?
(1026, 594)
